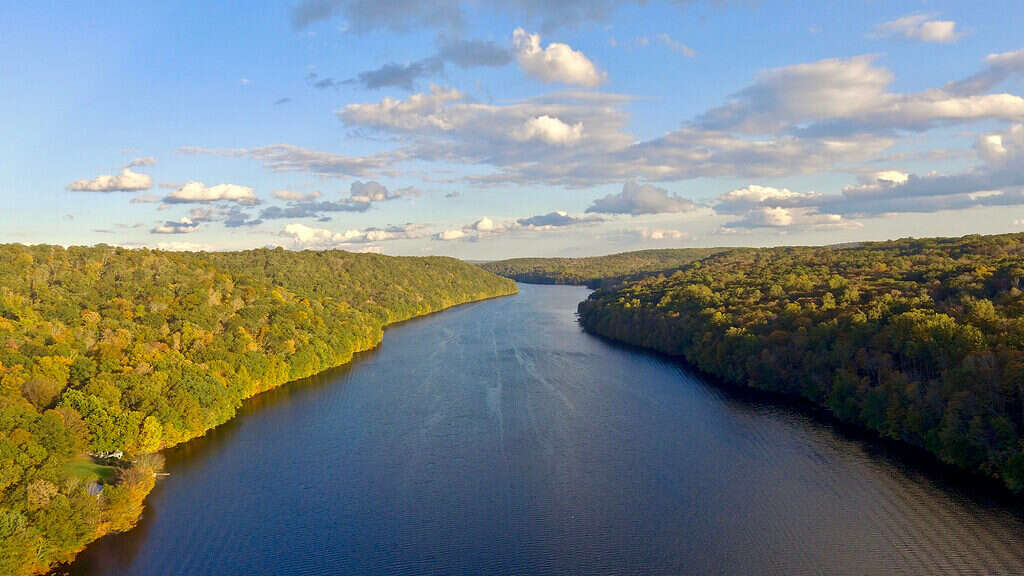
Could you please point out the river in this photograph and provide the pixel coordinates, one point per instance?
(498, 437)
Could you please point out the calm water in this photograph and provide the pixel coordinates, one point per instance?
(499, 438)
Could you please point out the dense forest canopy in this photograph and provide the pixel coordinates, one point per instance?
(596, 270)
(918, 340)
(106, 350)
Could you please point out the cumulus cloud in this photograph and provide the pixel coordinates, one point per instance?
(638, 198)
(778, 217)
(808, 118)
(183, 226)
(452, 234)
(920, 27)
(197, 192)
(758, 198)
(550, 131)
(843, 96)
(443, 125)
(998, 180)
(303, 236)
(484, 224)
(557, 63)
(126, 181)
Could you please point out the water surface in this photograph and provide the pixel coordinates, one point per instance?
(499, 438)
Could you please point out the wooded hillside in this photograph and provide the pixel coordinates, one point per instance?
(105, 349)
(918, 340)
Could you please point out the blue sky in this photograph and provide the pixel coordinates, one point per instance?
(493, 129)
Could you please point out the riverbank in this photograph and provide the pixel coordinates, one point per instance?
(106, 350)
(135, 505)
(916, 340)
(979, 488)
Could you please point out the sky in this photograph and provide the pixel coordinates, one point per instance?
(483, 129)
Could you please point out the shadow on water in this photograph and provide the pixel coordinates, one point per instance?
(115, 552)
(123, 547)
(915, 462)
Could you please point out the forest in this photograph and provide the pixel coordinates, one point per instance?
(108, 355)
(918, 340)
(596, 271)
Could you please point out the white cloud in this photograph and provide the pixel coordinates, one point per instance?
(556, 63)
(296, 196)
(303, 236)
(893, 176)
(183, 226)
(126, 181)
(417, 112)
(550, 131)
(808, 118)
(754, 195)
(997, 181)
(769, 207)
(453, 234)
(778, 217)
(197, 192)
(999, 149)
(638, 198)
(659, 234)
(920, 27)
(836, 96)
(484, 224)
(306, 235)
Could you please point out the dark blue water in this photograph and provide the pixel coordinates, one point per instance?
(499, 438)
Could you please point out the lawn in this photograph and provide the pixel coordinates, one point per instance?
(89, 470)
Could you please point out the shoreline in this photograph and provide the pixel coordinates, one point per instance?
(965, 482)
(61, 568)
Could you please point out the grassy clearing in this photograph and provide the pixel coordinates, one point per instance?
(88, 470)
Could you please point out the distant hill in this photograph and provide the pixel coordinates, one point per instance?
(596, 271)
